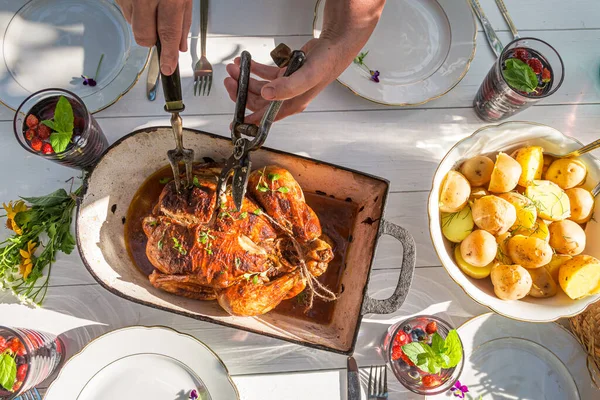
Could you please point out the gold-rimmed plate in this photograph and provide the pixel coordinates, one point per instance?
(422, 49)
(52, 43)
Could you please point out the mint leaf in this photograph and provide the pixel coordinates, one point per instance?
(437, 344)
(423, 356)
(50, 200)
(519, 75)
(60, 141)
(63, 116)
(453, 349)
(49, 124)
(8, 371)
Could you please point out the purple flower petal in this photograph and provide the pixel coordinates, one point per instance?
(193, 394)
(88, 81)
(374, 76)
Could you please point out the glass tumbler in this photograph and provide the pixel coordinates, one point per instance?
(496, 100)
(37, 355)
(88, 142)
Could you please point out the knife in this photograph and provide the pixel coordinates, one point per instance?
(492, 38)
(353, 380)
(153, 75)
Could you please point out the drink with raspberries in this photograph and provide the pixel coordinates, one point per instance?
(425, 354)
(56, 125)
(26, 359)
(527, 71)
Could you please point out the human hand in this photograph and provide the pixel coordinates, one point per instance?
(169, 20)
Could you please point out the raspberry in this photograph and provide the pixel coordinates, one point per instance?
(3, 344)
(396, 352)
(546, 75)
(30, 134)
(44, 132)
(17, 386)
(521, 54)
(431, 381)
(14, 345)
(536, 65)
(405, 358)
(36, 144)
(431, 327)
(47, 148)
(402, 338)
(31, 121)
(21, 372)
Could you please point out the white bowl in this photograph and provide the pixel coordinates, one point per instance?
(505, 137)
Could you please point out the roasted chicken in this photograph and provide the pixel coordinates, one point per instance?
(249, 260)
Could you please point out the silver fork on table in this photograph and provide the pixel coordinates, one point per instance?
(203, 71)
(378, 383)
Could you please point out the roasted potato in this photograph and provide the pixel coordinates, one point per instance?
(471, 270)
(505, 175)
(539, 230)
(478, 192)
(526, 211)
(454, 193)
(566, 172)
(479, 248)
(477, 170)
(582, 204)
(529, 252)
(542, 283)
(531, 159)
(567, 237)
(511, 282)
(457, 226)
(502, 254)
(554, 265)
(579, 276)
(551, 201)
(493, 214)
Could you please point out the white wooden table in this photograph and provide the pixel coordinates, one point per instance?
(403, 145)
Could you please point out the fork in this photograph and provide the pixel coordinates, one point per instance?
(203, 71)
(378, 383)
(576, 153)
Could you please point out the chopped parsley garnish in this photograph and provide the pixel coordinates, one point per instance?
(178, 246)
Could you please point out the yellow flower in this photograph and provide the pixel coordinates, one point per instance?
(27, 261)
(11, 213)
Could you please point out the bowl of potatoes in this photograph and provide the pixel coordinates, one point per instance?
(515, 227)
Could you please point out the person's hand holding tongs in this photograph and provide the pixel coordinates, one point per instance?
(239, 163)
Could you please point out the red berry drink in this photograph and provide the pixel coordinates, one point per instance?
(56, 125)
(527, 71)
(421, 330)
(34, 354)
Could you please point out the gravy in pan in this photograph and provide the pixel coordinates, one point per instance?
(336, 217)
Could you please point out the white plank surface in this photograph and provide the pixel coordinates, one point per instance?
(401, 145)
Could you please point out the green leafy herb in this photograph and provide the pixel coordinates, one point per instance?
(238, 262)
(441, 354)
(160, 244)
(255, 279)
(262, 188)
(163, 181)
(178, 246)
(243, 215)
(153, 223)
(258, 211)
(283, 189)
(50, 200)
(62, 124)
(274, 177)
(196, 182)
(359, 59)
(519, 75)
(8, 370)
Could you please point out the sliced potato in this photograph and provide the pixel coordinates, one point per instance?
(502, 255)
(494, 214)
(471, 270)
(567, 237)
(551, 201)
(454, 193)
(531, 159)
(457, 226)
(566, 172)
(542, 283)
(539, 230)
(547, 161)
(479, 248)
(529, 252)
(505, 175)
(554, 265)
(526, 211)
(579, 276)
(478, 192)
(511, 282)
(582, 204)
(477, 170)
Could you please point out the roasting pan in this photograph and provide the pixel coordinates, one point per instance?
(111, 185)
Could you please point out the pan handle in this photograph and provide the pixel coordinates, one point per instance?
(393, 303)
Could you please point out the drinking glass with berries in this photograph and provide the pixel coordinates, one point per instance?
(26, 359)
(527, 71)
(425, 354)
(55, 124)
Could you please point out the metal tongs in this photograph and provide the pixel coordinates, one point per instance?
(174, 104)
(239, 163)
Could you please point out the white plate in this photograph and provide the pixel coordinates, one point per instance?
(422, 49)
(150, 363)
(540, 367)
(51, 43)
(489, 140)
